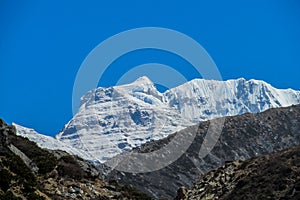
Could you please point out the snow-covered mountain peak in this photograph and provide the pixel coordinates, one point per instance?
(206, 82)
(201, 99)
(204, 85)
(116, 119)
(143, 80)
(142, 89)
(141, 85)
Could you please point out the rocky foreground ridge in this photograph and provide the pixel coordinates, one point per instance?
(243, 137)
(29, 172)
(272, 176)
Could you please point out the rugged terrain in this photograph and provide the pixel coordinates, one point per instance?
(112, 121)
(243, 137)
(29, 172)
(272, 176)
(116, 119)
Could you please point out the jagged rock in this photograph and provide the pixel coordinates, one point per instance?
(73, 196)
(110, 187)
(58, 192)
(28, 162)
(78, 190)
(71, 190)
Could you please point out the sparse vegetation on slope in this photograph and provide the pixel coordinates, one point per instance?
(59, 175)
(243, 137)
(272, 176)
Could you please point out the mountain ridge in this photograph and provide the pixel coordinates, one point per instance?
(30, 172)
(243, 137)
(129, 115)
(116, 119)
(271, 176)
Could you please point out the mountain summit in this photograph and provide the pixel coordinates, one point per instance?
(116, 119)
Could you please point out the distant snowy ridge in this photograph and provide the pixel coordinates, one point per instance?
(201, 99)
(116, 119)
(48, 142)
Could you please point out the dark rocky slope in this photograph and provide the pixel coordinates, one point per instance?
(272, 176)
(243, 137)
(29, 172)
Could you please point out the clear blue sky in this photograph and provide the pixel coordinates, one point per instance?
(43, 43)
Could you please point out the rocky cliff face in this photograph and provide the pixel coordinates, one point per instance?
(55, 175)
(272, 176)
(243, 137)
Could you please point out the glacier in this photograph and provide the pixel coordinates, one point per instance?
(116, 119)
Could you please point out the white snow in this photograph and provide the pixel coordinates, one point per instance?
(48, 142)
(116, 119)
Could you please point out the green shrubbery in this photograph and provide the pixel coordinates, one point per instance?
(45, 161)
(34, 196)
(9, 196)
(17, 166)
(69, 167)
(128, 191)
(5, 179)
(18, 179)
(132, 193)
(14, 170)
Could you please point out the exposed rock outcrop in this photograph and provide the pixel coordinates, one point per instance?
(27, 161)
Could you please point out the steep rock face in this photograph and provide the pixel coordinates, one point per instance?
(272, 176)
(242, 137)
(117, 119)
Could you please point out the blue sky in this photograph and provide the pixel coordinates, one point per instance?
(43, 43)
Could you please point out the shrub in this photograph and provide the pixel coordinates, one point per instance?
(69, 167)
(5, 179)
(17, 166)
(35, 196)
(9, 196)
(45, 161)
(132, 193)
